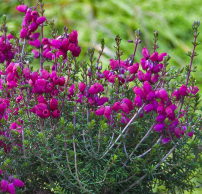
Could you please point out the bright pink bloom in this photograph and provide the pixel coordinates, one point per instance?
(138, 101)
(158, 68)
(177, 132)
(154, 56)
(26, 72)
(34, 76)
(146, 87)
(32, 27)
(34, 36)
(124, 119)
(101, 101)
(138, 91)
(22, 8)
(56, 80)
(160, 57)
(183, 90)
(41, 99)
(160, 109)
(41, 106)
(53, 104)
(140, 75)
(125, 108)
(75, 50)
(2, 107)
(166, 140)
(0, 171)
(19, 99)
(100, 111)
(148, 108)
(36, 53)
(108, 111)
(56, 43)
(18, 183)
(10, 77)
(45, 74)
(73, 36)
(114, 64)
(134, 68)
(151, 96)
(4, 185)
(112, 78)
(65, 43)
(56, 113)
(159, 127)
(45, 41)
(36, 43)
(106, 73)
(81, 86)
(195, 90)
(163, 94)
(145, 53)
(11, 188)
(40, 20)
(34, 14)
(160, 118)
(143, 61)
(147, 76)
(23, 33)
(190, 134)
(28, 16)
(61, 81)
(53, 74)
(46, 113)
(41, 82)
(91, 101)
(155, 78)
(129, 103)
(116, 106)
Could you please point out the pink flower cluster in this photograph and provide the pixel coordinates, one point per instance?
(10, 184)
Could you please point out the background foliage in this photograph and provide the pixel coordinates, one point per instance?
(94, 19)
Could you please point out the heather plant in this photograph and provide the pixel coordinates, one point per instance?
(75, 127)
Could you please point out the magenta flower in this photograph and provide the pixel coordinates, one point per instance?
(140, 75)
(36, 43)
(28, 16)
(160, 118)
(65, 43)
(91, 101)
(116, 106)
(75, 49)
(32, 27)
(177, 132)
(56, 43)
(154, 57)
(53, 104)
(143, 61)
(145, 53)
(0, 171)
(138, 91)
(114, 64)
(73, 36)
(160, 57)
(11, 188)
(125, 108)
(159, 127)
(81, 86)
(18, 183)
(129, 103)
(34, 36)
(26, 72)
(166, 140)
(195, 90)
(183, 90)
(56, 113)
(124, 119)
(163, 94)
(100, 111)
(155, 78)
(108, 111)
(22, 8)
(147, 76)
(41, 99)
(151, 96)
(41, 82)
(138, 101)
(146, 87)
(133, 69)
(2, 107)
(61, 81)
(101, 101)
(45, 41)
(158, 68)
(46, 113)
(190, 134)
(40, 20)
(148, 108)
(4, 185)
(23, 33)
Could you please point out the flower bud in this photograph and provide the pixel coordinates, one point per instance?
(65, 43)
(56, 80)
(116, 106)
(145, 53)
(34, 36)
(40, 20)
(33, 27)
(154, 57)
(4, 185)
(138, 91)
(160, 109)
(160, 118)
(41, 99)
(108, 111)
(28, 16)
(129, 103)
(146, 87)
(158, 68)
(100, 111)
(163, 94)
(125, 108)
(177, 132)
(22, 8)
(45, 74)
(56, 43)
(183, 90)
(23, 33)
(150, 96)
(133, 69)
(160, 57)
(154, 78)
(166, 140)
(56, 113)
(102, 101)
(46, 113)
(148, 108)
(11, 188)
(114, 64)
(73, 36)
(159, 127)
(91, 101)
(138, 101)
(147, 76)
(140, 75)
(81, 86)
(18, 183)
(45, 41)
(143, 61)
(34, 14)
(53, 104)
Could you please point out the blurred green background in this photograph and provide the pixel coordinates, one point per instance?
(94, 19)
